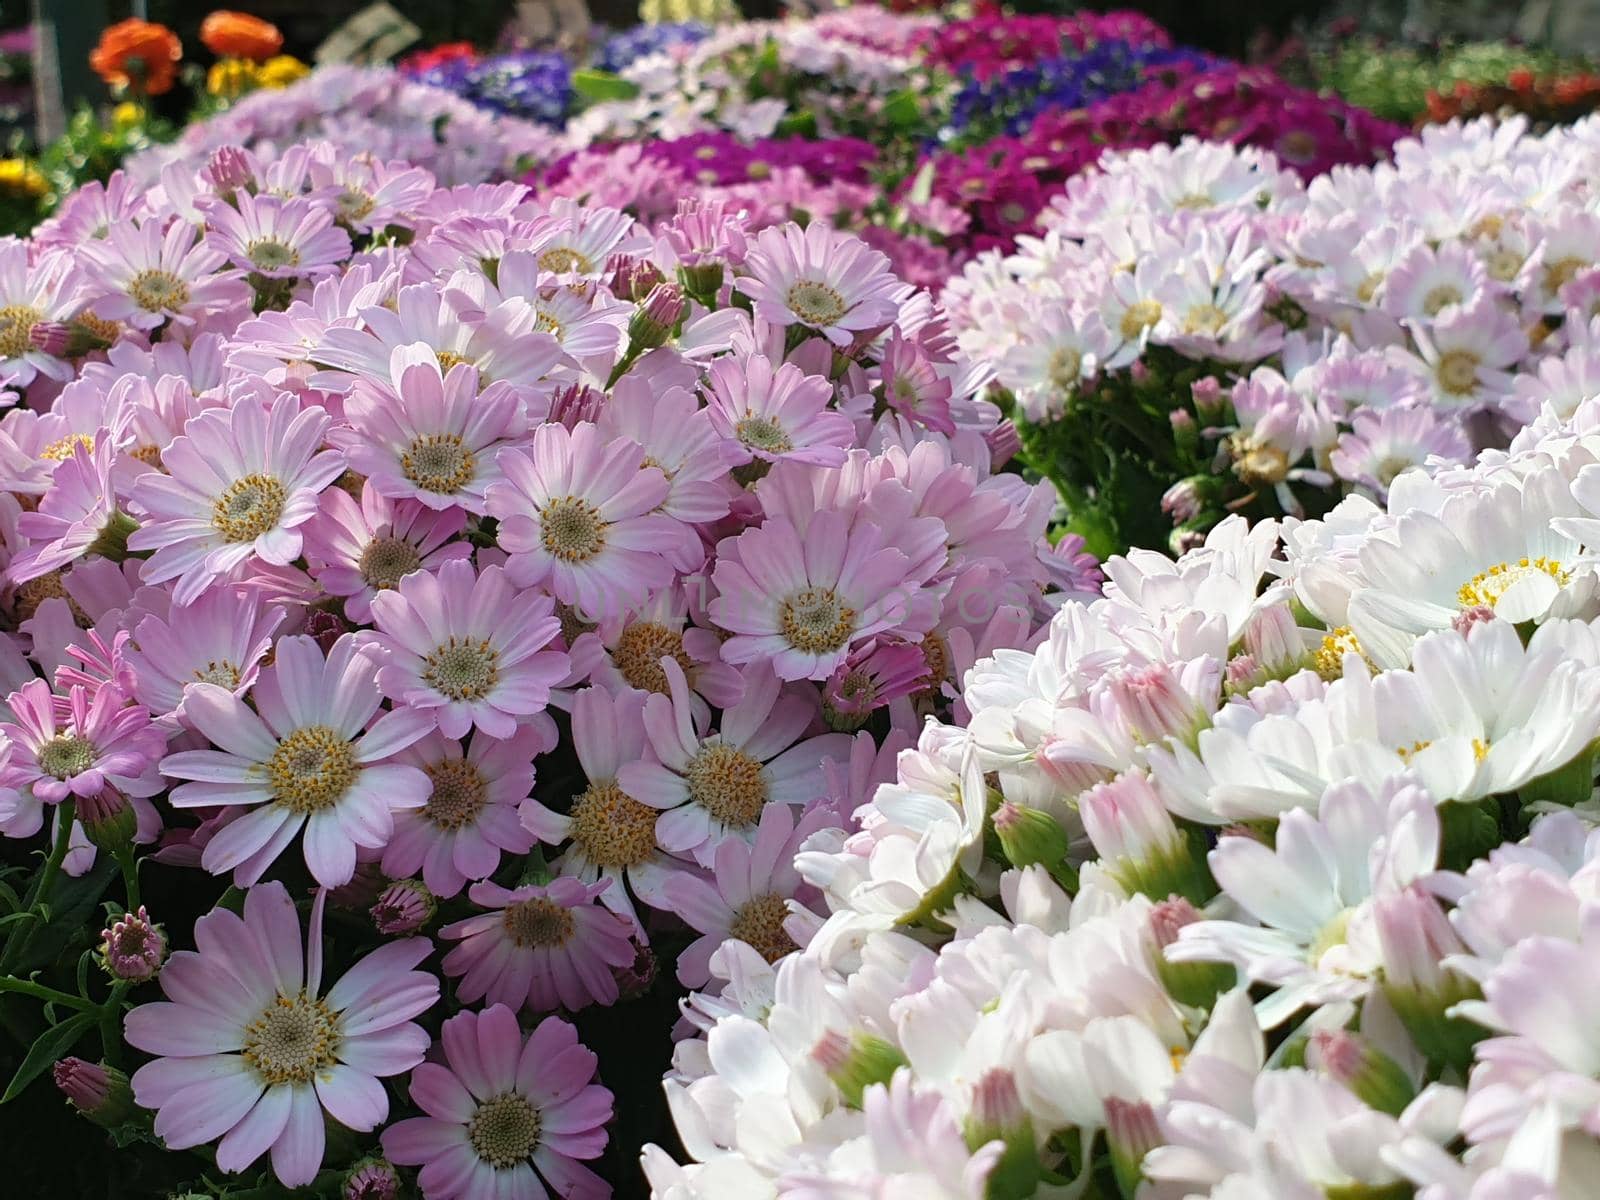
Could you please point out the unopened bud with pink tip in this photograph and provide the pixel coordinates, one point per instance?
(229, 169)
(1131, 1133)
(1140, 844)
(1349, 1059)
(1197, 984)
(403, 908)
(371, 1179)
(998, 1115)
(654, 320)
(1414, 938)
(99, 1092)
(1004, 442)
(133, 947)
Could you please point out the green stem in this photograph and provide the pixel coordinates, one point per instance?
(49, 995)
(130, 876)
(21, 935)
(110, 1013)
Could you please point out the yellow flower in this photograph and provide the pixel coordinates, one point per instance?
(281, 71)
(707, 12)
(126, 115)
(231, 77)
(19, 177)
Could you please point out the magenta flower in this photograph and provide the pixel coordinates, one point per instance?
(220, 639)
(358, 550)
(240, 483)
(468, 649)
(308, 761)
(153, 273)
(801, 605)
(544, 946)
(276, 237)
(252, 1052)
(470, 817)
(508, 1116)
(821, 278)
(776, 414)
(580, 511)
(78, 744)
(434, 437)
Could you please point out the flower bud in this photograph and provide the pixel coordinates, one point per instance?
(108, 819)
(133, 947)
(1197, 984)
(371, 1179)
(654, 320)
(632, 279)
(229, 169)
(1414, 938)
(1207, 396)
(1028, 836)
(1004, 442)
(635, 979)
(998, 1115)
(326, 627)
(1181, 501)
(1131, 1133)
(1352, 1061)
(576, 403)
(403, 907)
(1272, 638)
(1139, 842)
(51, 337)
(702, 280)
(99, 1092)
(856, 1062)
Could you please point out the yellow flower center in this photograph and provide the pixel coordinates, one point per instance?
(560, 259)
(249, 508)
(438, 462)
(62, 448)
(1487, 587)
(459, 793)
(817, 621)
(815, 303)
(462, 668)
(639, 652)
(504, 1130)
(16, 323)
(269, 254)
(538, 922)
(1140, 315)
(728, 784)
(1441, 298)
(311, 769)
(758, 922)
(1329, 656)
(763, 433)
(1457, 372)
(612, 829)
(388, 560)
(154, 290)
(572, 529)
(66, 755)
(294, 1040)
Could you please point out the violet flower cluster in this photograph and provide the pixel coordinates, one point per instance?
(495, 591)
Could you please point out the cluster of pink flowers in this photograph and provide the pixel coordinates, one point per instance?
(531, 578)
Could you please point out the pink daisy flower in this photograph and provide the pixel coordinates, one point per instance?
(252, 1052)
(873, 675)
(79, 744)
(802, 605)
(369, 194)
(508, 1116)
(275, 237)
(679, 438)
(78, 516)
(776, 415)
(220, 639)
(545, 946)
(358, 550)
(239, 484)
(308, 761)
(749, 895)
(145, 275)
(470, 818)
(579, 510)
(32, 290)
(821, 278)
(610, 835)
(433, 437)
(468, 649)
(713, 785)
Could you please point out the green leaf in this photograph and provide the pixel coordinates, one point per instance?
(47, 1047)
(901, 110)
(71, 903)
(595, 86)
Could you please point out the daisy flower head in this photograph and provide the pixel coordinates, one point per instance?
(433, 437)
(1466, 356)
(79, 744)
(78, 516)
(823, 279)
(146, 275)
(802, 604)
(776, 414)
(252, 1051)
(1382, 443)
(711, 785)
(34, 291)
(275, 237)
(220, 639)
(369, 194)
(238, 485)
(308, 756)
(507, 1114)
(579, 512)
(470, 817)
(609, 835)
(541, 946)
(468, 649)
(357, 550)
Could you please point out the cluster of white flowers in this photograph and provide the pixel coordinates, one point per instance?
(1365, 322)
(1268, 875)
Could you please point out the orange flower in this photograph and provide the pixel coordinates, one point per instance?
(239, 35)
(138, 55)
